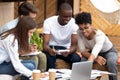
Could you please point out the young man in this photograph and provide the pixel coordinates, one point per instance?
(26, 9)
(60, 32)
(95, 45)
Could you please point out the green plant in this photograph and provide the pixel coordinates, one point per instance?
(36, 39)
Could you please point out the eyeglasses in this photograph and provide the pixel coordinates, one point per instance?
(84, 29)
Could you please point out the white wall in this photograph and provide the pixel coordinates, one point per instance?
(6, 12)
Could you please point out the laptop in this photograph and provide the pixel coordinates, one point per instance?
(81, 70)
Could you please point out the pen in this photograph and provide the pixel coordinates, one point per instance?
(53, 47)
(57, 78)
(59, 72)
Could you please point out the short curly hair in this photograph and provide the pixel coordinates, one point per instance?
(83, 18)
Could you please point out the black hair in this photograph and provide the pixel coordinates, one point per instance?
(83, 18)
(25, 8)
(65, 6)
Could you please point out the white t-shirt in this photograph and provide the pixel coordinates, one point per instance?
(60, 35)
(100, 43)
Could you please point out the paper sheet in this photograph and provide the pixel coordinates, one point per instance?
(32, 53)
(60, 51)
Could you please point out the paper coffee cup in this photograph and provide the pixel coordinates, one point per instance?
(36, 74)
(52, 74)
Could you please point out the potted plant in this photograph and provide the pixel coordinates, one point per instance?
(38, 40)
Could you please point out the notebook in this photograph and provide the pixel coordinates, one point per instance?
(81, 70)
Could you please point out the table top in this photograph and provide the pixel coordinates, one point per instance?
(65, 74)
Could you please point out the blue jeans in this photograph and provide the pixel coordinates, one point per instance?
(111, 56)
(7, 68)
(52, 59)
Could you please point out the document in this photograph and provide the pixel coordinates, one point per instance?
(60, 51)
(102, 72)
(94, 74)
(32, 53)
(97, 73)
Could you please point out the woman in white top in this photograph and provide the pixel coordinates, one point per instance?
(13, 43)
(95, 45)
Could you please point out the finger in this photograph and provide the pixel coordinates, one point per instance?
(100, 63)
(52, 52)
(104, 61)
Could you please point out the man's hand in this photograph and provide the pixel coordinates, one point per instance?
(100, 60)
(53, 52)
(65, 54)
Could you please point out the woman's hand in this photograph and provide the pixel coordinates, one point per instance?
(42, 75)
(33, 47)
(100, 60)
(91, 58)
(79, 53)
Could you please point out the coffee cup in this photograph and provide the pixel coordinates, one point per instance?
(36, 74)
(52, 74)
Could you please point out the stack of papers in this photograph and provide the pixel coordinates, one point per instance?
(102, 72)
(97, 73)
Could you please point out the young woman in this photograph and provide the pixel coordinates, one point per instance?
(27, 9)
(95, 45)
(13, 43)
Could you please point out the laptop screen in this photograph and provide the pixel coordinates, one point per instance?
(81, 70)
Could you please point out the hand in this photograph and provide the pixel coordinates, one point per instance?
(53, 52)
(65, 54)
(79, 53)
(42, 75)
(100, 60)
(33, 47)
